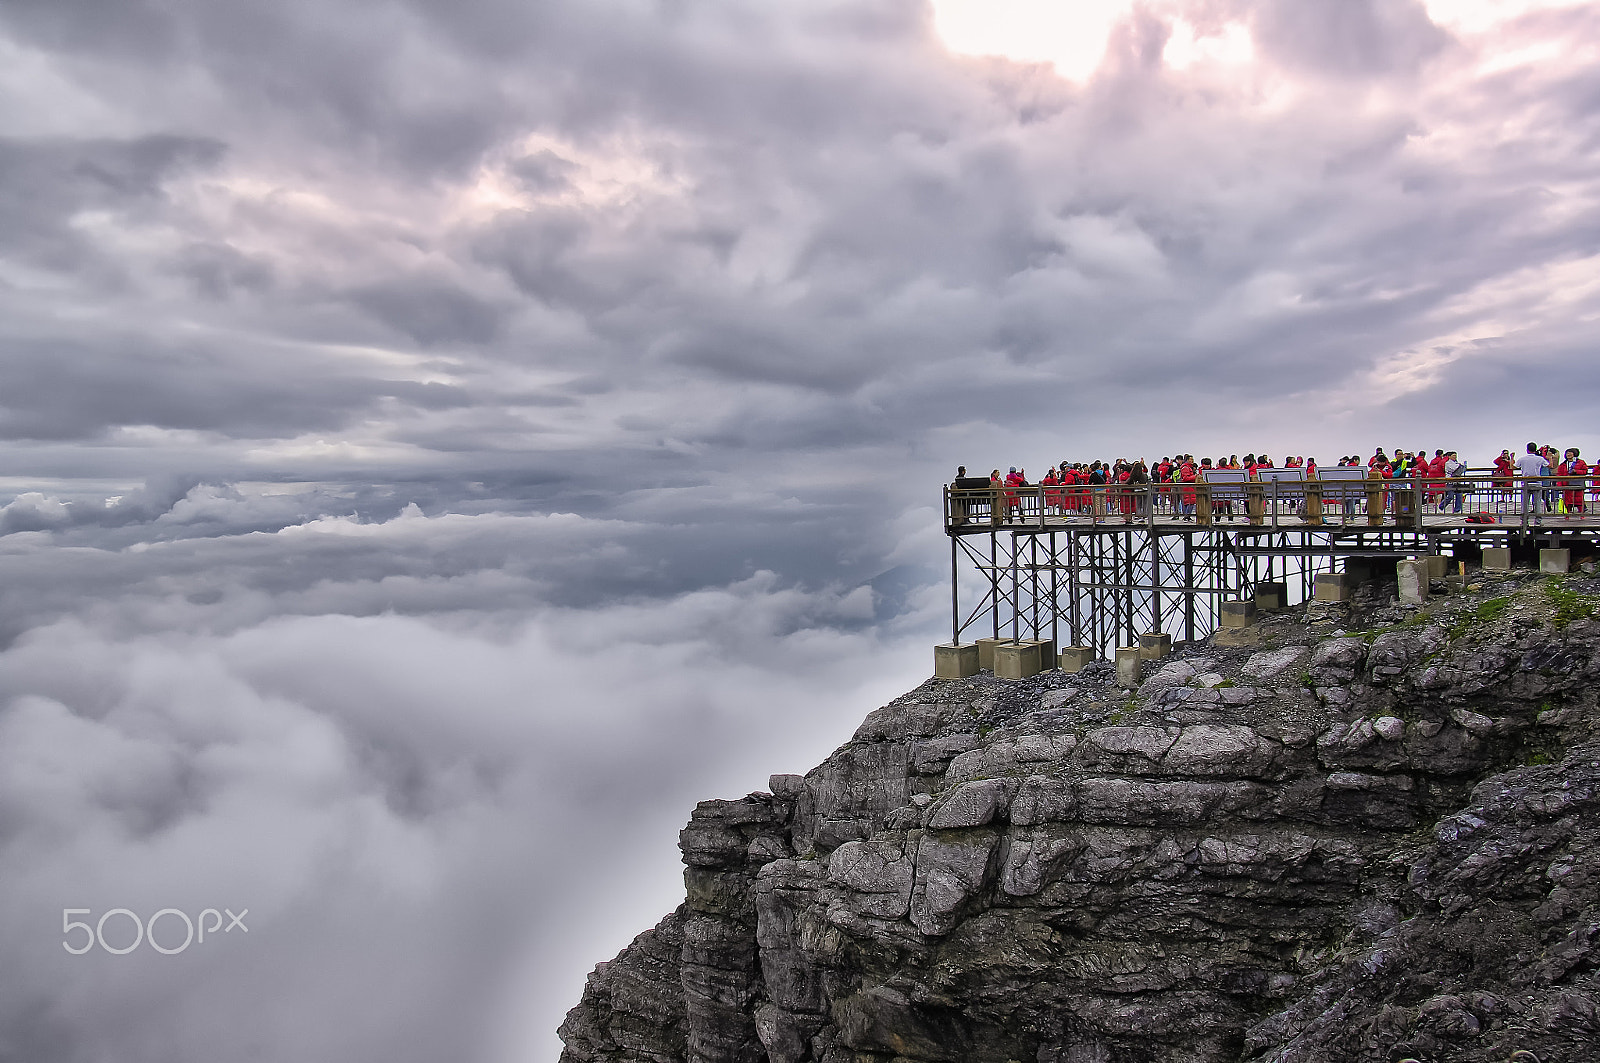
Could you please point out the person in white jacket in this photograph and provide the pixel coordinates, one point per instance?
(1533, 463)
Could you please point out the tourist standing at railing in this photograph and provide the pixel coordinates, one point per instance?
(1504, 469)
(1186, 479)
(1078, 499)
(1455, 494)
(1123, 478)
(970, 494)
(1435, 473)
(1382, 471)
(1097, 491)
(1576, 471)
(1552, 458)
(1532, 463)
(1014, 478)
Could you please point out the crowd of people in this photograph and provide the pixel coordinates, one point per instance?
(1444, 480)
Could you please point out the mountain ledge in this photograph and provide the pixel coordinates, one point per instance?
(1374, 836)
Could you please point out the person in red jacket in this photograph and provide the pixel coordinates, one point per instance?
(1186, 480)
(1125, 496)
(1504, 470)
(1433, 472)
(1576, 470)
(1070, 500)
(1013, 499)
(1386, 471)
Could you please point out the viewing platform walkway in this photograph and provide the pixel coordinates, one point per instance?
(1102, 567)
(1343, 497)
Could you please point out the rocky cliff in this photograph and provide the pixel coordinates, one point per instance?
(1374, 836)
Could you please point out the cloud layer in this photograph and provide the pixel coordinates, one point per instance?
(440, 797)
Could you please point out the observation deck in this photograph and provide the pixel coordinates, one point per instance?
(1102, 567)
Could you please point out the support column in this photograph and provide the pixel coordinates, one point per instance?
(955, 605)
(1313, 503)
(1188, 583)
(994, 580)
(1255, 502)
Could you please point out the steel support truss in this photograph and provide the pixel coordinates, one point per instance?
(1104, 586)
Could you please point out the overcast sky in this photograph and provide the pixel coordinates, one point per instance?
(443, 439)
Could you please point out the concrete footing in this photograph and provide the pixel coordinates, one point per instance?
(1238, 626)
(1155, 645)
(1128, 660)
(1412, 578)
(1270, 596)
(952, 661)
(1017, 660)
(986, 652)
(1239, 614)
(1555, 562)
(1333, 587)
(1497, 559)
(1075, 658)
(1438, 566)
(1047, 654)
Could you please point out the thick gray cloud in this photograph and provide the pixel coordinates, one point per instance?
(388, 740)
(443, 440)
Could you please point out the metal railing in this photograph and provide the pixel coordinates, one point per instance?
(1477, 496)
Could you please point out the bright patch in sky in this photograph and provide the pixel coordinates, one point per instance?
(1473, 16)
(1185, 47)
(1071, 36)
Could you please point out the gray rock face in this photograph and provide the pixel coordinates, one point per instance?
(1358, 849)
(1274, 665)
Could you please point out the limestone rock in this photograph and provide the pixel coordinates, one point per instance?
(973, 804)
(1402, 861)
(1272, 666)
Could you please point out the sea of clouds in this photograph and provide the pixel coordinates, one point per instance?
(442, 760)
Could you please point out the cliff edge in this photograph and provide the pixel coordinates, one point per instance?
(1374, 836)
